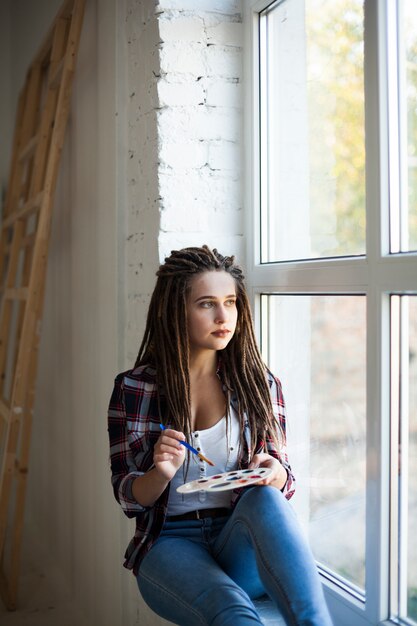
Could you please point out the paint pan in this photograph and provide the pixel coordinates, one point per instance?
(226, 480)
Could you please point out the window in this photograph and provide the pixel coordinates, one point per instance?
(404, 437)
(324, 338)
(332, 266)
(312, 86)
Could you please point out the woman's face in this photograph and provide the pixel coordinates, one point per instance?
(211, 311)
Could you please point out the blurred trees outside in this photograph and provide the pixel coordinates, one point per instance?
(335, 70)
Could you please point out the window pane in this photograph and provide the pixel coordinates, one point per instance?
(411, 550)
(316, 346)
(312, 130)
(410, 41)
(404, 464)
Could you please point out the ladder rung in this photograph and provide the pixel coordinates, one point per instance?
(31, 206)
(27, 242)
(29, 149)
(56, 75)
(16, 293)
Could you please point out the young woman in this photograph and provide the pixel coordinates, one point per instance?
(201, 558)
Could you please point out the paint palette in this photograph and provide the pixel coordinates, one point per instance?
(226, 480)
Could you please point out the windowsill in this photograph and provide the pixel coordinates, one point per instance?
(268, 612)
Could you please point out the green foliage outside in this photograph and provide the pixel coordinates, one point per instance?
(412, 603)
(335, 58)
(411, 39)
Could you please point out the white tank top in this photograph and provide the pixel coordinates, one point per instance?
(223, 451)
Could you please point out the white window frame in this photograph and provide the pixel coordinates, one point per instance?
(378, 275)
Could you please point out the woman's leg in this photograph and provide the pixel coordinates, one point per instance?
(263, 532)
(181, 582)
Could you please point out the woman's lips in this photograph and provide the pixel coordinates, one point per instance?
(221, 333)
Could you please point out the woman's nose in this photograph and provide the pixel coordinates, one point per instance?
(221, 315)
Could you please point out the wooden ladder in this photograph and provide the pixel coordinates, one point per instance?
(38, 139)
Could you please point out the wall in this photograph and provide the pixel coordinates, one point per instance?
(152, 161)
(21, 31)
(5, 100)
(69, 500)
(183, 184)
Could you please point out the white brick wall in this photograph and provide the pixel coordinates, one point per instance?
(200, 125)
(225, 7)
(183, 149)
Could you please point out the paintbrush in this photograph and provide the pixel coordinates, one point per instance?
(193, 450)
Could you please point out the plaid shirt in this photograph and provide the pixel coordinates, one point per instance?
(133, 426)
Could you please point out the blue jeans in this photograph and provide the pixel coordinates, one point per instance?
(208, 571)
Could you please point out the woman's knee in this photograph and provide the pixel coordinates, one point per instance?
(262, 499)
(267, 506)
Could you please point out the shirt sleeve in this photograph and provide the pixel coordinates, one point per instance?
(123, 467)
(278, 405)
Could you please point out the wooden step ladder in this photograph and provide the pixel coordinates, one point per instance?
(38, 139)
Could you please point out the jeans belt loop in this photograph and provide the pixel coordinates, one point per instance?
(197, 514)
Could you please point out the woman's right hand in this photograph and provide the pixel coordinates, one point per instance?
(168, 453)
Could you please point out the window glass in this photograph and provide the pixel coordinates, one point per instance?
(312, 153)
(404, 458)
(410, 53)
(316, 346)
(411, 392)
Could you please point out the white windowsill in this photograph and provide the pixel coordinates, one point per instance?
(268, 612)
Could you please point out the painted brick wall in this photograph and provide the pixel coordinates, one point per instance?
(199, 124)
(184, 161)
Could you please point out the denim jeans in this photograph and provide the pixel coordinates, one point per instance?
(208, 571)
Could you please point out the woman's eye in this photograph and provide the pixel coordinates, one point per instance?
(209, 304)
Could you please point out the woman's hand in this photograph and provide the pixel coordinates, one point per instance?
(278, 478)
(168, 453)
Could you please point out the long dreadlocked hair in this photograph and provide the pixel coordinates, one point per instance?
(165, 345)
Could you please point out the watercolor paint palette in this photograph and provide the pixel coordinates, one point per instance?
(226, 480)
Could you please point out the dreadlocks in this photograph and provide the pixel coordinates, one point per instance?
(165, 344)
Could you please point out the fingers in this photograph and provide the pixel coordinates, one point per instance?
(176, 434)
(266, 460)
(167, 454)
(168, 446)
(256, 461)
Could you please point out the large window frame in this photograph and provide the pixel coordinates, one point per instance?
(378, 274)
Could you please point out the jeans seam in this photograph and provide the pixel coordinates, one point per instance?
(173, 596)
(280, 586)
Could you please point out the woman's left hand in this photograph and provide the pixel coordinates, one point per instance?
(278, 478)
